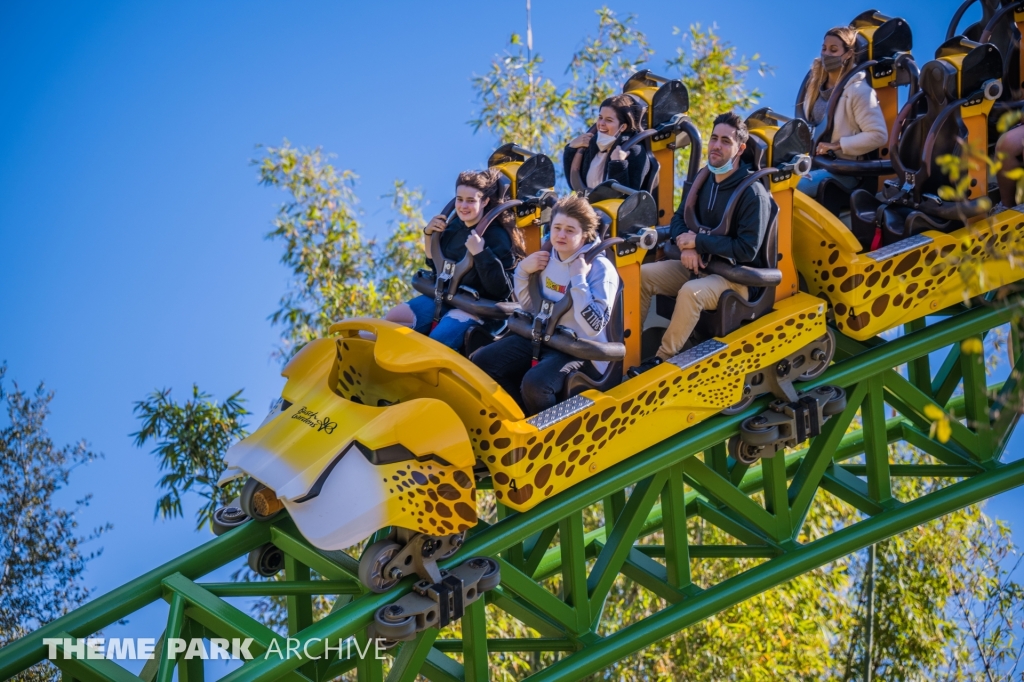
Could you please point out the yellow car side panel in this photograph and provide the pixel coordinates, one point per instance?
(870, 296)
(530, 465)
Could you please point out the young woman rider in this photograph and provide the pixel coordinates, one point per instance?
(859, 124)
(593, 288)
(600, 158)
(494, 256)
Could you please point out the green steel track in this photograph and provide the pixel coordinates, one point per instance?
(689, 475)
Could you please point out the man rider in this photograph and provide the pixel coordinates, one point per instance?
(694, 290)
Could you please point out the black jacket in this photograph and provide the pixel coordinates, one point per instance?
(750, 219)
(491, 274)
(630, 172)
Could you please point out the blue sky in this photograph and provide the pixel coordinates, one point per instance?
(131, 226)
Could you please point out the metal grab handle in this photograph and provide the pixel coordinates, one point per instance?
(894, 134)
(492, 214)
(931, 138)
(986, 34)
(436, 254)
(906, 61)
(957, 16)
(690, 207)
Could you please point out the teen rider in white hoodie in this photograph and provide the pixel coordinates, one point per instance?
(593, 287)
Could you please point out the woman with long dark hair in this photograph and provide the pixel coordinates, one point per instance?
(494, 257)
(595, 157)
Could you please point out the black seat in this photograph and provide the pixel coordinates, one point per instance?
(733, 310)
(650, 182)
(928, 127)
(997, 27)
(578, 381)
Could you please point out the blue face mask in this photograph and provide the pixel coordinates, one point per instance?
(721, 170)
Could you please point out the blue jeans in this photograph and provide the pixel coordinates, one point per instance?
(449, 330)
(809, 184)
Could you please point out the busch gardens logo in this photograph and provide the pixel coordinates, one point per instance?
(312, 419)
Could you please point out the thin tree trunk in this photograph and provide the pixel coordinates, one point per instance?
(869, 616)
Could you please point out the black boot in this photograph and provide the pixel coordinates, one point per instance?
(649, 363)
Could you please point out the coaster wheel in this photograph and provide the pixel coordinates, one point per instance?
(744, 452)
(819, 358)
(266, 560)
(252, 503)
(371, 568)
(491, 577)
(758, 432)
(228, 517)
(835, 404)
(391, 623)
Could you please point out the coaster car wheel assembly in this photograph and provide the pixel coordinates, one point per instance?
(387, 561)
(228, 517)
(437, 604)
(266, 560)
(786, 424)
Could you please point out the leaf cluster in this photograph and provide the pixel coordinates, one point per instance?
(337, 271)
(190, 440)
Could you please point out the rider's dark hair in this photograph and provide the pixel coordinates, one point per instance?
(575, 206)
(730, 118)
(487, 182)
(626, 110)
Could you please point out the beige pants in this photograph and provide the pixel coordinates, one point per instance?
(693, 294)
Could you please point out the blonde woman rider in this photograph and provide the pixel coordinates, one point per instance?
(859, 125)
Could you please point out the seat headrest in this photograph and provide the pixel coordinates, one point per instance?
(981, 65)
(891, 38)
(939, 81)
(791, 139)
(639, 111)
(535, 175)
(860, 49)
(671, 98)
(504, 189)
(756, 153)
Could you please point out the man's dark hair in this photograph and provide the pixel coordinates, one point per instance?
(731, 119)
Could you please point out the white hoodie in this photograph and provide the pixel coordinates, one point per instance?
(592, 296)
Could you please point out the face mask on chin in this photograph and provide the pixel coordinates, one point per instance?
(604, 142)
(723, 169)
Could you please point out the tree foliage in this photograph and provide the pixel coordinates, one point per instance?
(518, 104)
(337, 272)
(602, 63)
(191, 439)
(715, 78)
(42, 552)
